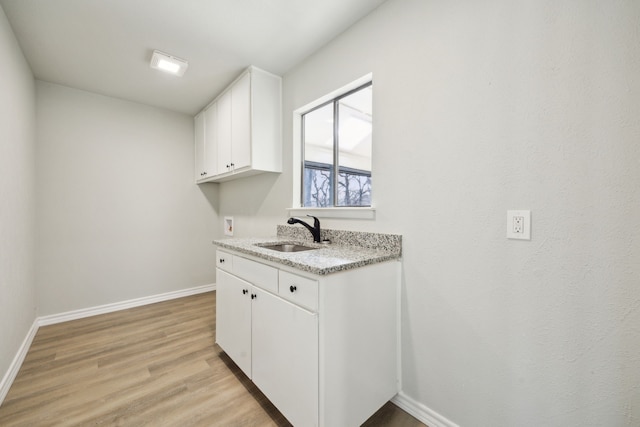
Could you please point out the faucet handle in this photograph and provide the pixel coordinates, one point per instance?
(316, 221)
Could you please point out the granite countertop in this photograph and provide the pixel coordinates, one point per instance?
(348, 249)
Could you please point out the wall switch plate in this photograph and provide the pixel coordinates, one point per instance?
(519, 225)
(228, 226)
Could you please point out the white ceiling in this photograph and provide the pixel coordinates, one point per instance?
(105, 46)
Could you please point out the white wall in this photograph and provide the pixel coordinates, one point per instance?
(17, 197)
(481, 107)
(119, 214)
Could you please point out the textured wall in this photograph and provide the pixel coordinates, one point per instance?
(481, 107)
(119, 214)
(17, 197)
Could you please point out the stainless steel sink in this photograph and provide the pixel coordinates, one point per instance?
(287, 247)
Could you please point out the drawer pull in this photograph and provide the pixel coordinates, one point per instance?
(293, 288)
(221, 260)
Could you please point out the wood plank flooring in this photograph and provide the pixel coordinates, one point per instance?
(155, 365)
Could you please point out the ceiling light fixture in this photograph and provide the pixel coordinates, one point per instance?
(168, 63)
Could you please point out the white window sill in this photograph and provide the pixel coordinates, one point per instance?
(346, 213)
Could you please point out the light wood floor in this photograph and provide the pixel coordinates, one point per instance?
(153, 365)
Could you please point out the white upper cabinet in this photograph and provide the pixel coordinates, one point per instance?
(247, 124)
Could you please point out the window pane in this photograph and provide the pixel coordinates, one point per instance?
(317, 187)
(317, 181)
(354, 148)
(354, 189)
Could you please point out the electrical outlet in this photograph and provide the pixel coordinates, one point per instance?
(519, 225)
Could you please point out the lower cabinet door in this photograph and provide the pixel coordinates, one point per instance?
(233, 318)
(285, 357)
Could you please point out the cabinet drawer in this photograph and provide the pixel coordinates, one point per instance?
(260, 275)
(299, 290)
(224, 261)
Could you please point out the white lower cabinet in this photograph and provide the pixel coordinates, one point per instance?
(323, 349)
(233, 318)
(285, 357)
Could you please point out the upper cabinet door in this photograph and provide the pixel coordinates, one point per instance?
(224, 133)
(199, 141)
(211, 140)
(241, 122)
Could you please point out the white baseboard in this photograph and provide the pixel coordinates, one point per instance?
(11, 373)
(109, 308)
(16, 363)
(421, 412)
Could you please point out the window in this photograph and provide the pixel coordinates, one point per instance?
(336, 147)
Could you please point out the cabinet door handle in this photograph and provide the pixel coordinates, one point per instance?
(221, 260)
(254, 296)
(293, 288)
(244, 292)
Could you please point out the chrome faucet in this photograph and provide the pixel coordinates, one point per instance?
(315, 230)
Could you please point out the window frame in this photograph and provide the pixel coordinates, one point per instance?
(355, 212)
